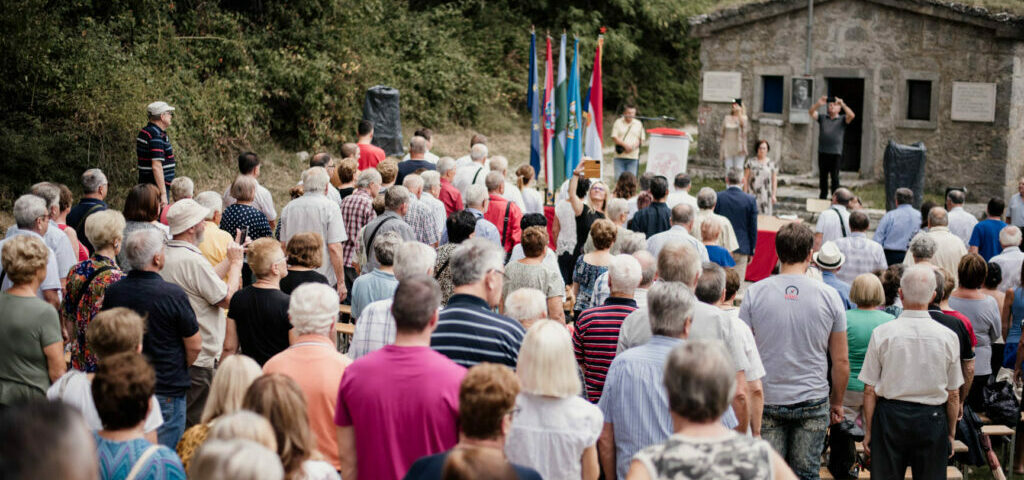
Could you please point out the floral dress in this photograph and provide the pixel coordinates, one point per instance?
(586, 275)
(761, 183)
(80, 314)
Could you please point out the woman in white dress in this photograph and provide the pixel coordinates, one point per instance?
(525, 180)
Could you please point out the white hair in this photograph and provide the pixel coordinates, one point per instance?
(476, 195)
(526, 305)
(918, 285)
(473, 258)
(413, 182)
(211, 201)
(368, 177)
(182, 188)
(630, 243)
(923, 247)
(648, 267)
(669, 305)
(395, 197)
(444, 165)
(1010, 236)
(236, 459)
(499, 164)
(47, 191)
(616, 207)
(623, 274)
(28, 208)
(313, 309)
(141, 246)
(92, 180)
(418, 144)
(546, 363)
(413, 258)
(314, 180)
(478, 152)
(431, 179)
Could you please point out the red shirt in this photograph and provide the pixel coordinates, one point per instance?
(496, 214)
(450, 197)
(369, 156)
(967, 323)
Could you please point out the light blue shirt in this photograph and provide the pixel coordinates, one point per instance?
(484, 228)
(677, 233)
(897, 227)
(842, 287)
(370, 287)
(635, 402)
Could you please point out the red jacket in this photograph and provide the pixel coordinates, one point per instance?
(450, 197)
(510, 231)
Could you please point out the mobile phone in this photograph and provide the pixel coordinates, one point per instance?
(243, 234)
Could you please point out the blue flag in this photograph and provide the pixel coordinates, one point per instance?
(533, 103)
(573, 131)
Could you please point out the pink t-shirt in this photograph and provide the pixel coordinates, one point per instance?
(403, 403)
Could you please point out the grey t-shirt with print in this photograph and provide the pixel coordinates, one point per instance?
(792, 317)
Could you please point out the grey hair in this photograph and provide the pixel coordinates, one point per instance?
(475, 195)
(182, 188)
(395, 197)
(211, 201)
(313, 309)
(499, 164)
(494, 181)
(141, 246)
(682, 214)
(418, 144)
(413, 182)
(669, 307)
(414, 258)
(734, 176)
(47, 191)
(478, 152)
(238, 459)
(92, 180)
(711, 283)
(648, 267)
(445, 164)
(706, 198)
(700, 380)
(385, 246)
(1010, 236)
(616, 207)
(526, 305)
(431, 179)
(937, 217)
(678, 262)
(904, 196)
(314, 180)
(473, 258)
(623, 274)
(27, 208)
(368, 177)
(631, 242)
(918, 285)
(922, 247)
(956, 197)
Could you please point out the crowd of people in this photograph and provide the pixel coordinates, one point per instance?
(194, 334)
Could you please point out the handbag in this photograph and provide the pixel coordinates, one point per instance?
(1001, 404)
(842, 458)
(619, 149)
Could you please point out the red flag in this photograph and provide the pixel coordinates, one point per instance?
(549, 119)
(595, 109)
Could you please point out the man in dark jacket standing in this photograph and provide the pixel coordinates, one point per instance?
(656, 217)
(741, 210)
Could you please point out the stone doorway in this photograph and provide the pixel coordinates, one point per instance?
(851, 90)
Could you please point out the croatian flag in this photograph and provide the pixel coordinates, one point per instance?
(533, 103)
(549, 120)
(594, 114)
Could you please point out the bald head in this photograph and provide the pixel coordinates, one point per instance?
(842, 196)
(938, 217)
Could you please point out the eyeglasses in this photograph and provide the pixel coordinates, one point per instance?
(499, 270)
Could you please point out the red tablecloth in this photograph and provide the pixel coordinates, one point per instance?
(760, 267)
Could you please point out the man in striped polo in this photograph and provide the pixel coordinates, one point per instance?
(597, 328)
(468, 331)
(154, 151)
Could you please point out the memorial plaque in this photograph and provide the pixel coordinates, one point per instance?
(721, 86)
(973, 102)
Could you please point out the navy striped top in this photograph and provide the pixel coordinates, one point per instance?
(152, 144)
(594, 340)
(469, 332)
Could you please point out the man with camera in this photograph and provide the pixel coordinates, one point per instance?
(628, 134)
(830, 140)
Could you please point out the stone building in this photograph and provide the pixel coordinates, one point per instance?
(895, 62)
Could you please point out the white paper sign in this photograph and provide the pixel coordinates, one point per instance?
(721, 86)
(974, 102)
(668, 155)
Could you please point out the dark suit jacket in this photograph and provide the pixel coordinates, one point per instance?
(741, 210)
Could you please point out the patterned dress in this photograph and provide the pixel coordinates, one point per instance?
(117, 459)
(89, 303)
(682, 457)
(443, 271)
(761, 183)
(586, 275)
(238, 215)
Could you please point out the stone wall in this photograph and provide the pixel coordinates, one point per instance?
(885, 46)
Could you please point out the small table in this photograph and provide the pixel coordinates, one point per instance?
(765, 258)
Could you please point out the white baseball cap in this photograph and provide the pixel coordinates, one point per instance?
(158, 108)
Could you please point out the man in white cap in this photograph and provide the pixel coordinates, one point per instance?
(185, 266)
(829, 260)
(154, 151)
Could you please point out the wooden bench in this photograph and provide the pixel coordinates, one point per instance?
(997, 430)
(958, 447)
(951, 474)
(345, 328)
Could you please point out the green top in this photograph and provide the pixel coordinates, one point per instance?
(859, 325)
(26, 326)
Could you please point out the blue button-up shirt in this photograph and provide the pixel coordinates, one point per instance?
(897, 227)
(635, 402)
(842, 287)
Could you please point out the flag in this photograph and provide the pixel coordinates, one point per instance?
(594, 115)
(549, 120)
(573, 131)
(561, 119)
(533, 103)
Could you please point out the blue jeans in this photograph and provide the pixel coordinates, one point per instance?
(173, 410)
(626, 164)
(797, 432)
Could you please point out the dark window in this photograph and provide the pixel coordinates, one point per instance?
(771, 86)
(919, 100)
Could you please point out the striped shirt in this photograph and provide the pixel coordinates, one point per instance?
(152, 144)
(468, 332)
(595, 338)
